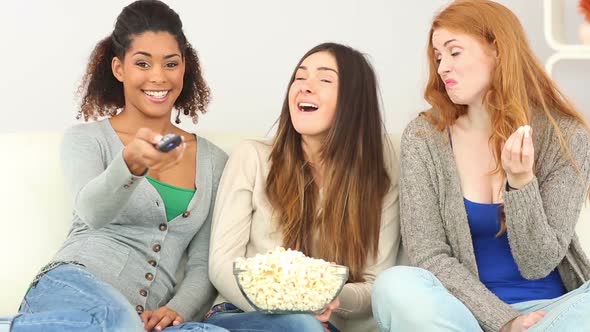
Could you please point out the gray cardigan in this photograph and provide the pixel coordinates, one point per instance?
(541, 217)
(119, 230)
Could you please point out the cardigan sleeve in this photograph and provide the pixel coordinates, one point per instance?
(99, 191)
(232, 220)
(424, 236)
(541, 217)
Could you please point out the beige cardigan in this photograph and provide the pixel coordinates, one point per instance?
(243, 226)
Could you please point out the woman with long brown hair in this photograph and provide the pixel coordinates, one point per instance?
(493, 178)
(326, 185)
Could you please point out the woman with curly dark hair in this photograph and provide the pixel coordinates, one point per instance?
(136, 208)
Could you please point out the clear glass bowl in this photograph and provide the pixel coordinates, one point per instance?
(288, 290)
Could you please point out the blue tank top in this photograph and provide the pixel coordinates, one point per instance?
(496, 266)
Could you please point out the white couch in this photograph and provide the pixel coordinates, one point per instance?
(36, 211)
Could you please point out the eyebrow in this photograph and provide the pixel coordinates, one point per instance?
(149, 55)
(449, 41)
(321, 68)
(446, 43)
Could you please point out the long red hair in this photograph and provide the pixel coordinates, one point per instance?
(519, 84)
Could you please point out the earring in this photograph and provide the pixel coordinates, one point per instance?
(177, 117)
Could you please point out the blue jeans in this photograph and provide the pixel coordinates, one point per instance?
(232, 318)
(569, 312)
(69, 298)
(412, 299)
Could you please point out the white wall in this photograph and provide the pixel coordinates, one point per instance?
(248, 50)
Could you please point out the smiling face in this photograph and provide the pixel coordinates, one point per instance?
(465, 65)
(152, 74)
(313, 95)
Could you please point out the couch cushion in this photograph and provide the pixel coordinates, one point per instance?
(36, 209)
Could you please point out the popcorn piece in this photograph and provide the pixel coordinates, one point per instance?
(287, 280)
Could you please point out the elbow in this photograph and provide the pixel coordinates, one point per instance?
(84, 214)
(534, 271)
(539, 262)
(94, 214)
(88, 220)
(533, 274)
(213, 273)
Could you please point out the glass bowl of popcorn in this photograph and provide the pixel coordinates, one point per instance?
(286, 281)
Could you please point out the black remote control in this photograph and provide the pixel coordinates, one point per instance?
(168, 142)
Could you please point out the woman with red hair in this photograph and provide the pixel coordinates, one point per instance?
(493, 178)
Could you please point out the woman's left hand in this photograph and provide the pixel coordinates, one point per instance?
(160, 319)
(518, 156)
(324, 317)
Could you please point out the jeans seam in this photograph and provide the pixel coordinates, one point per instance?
(45, 321)
(69, 285)
(48, 276)
(24, 306)
(102, 304)
(379, 324)
(559, 317)
(427, 276)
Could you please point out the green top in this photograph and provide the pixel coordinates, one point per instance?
(175, 199)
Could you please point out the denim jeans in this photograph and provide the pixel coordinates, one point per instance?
(69, 298)
(412, 299)
(569, 312)
(232, 318)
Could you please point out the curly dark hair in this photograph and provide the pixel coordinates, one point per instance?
(102, 94)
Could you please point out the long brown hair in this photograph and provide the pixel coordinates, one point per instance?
(519, 84)
(346, 228)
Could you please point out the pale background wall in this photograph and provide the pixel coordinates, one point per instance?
(248, 50)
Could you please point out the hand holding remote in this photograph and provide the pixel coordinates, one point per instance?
(168, 142)
(149, 150)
